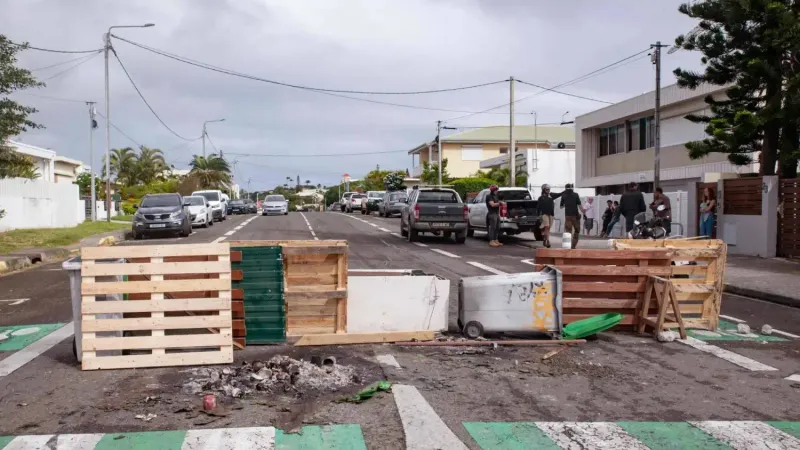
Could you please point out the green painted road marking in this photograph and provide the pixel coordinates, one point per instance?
(672, 436)
(150, 440)
(509, 436)
(14, 343)
(792, 428)
(4, 440)
(327, 437)
(727, 332)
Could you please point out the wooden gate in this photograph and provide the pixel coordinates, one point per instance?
(789, 218)
(700, 188)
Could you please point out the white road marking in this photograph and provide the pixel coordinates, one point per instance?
(388, 360)
(28, 442)
(528, 261)
(314, 235)
(795, 378)
(218, 240)
(397, 235)
(442, 252)
(748, 435)
(230, 233)
(593, 435)
(230, 438)
(735, 358)
(732, 319)
(783, 333)
(424, 429)
(384, 230)
(77, 441)
(486, 268)
(419, 244)
(27, 354)
(17, 301)
(374, 225)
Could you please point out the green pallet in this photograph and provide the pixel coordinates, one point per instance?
(262, 282)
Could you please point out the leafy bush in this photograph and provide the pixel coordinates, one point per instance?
(394, 181)
(158, 187)
(128, 206)
(466, 185)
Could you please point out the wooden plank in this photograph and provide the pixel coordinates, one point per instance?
(87, 300)
(364, 338)
(292, 295)
(236, 256)
(300, 331)
(325, 268)
(305, 279)
(237, 275)
(328, 308)
(143, 306)
(321, 250)
(604, 254)
(341, 315)
(167, 268)
(224, 356)
(153, 251)
(148, 323)
(609, 303)
(611, 271)
(319, 288)
(134, 287)
(698, 271)
(341, 267)
(282, 243)
(692, 296)
(151, 342)
(293, 321)
(695, 288)
(571, 286)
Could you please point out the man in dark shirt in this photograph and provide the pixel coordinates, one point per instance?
(631, 204)
(666, 213)
(493, 216)
(545, 209)
(607, 215)
(571, 203)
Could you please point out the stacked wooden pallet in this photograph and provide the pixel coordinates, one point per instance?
(178, 310)
(697, 273)
(603, 281)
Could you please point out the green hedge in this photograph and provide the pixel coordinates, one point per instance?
(466, 185)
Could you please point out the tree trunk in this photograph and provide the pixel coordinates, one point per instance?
(772, 128)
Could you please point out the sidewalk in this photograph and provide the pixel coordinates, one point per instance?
(771, 279)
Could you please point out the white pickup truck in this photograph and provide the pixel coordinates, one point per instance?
(518, 215)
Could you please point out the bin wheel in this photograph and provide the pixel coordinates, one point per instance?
(74, 347)
(473, 330)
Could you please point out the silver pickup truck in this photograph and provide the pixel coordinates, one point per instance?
(518, 215)
(434, 210)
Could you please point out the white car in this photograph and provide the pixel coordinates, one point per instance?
(219, 208)
(354, 202)
(199, 211)
(275, 204)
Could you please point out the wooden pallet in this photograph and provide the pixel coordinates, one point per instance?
(663, 291)
(178, 310)
(315, 284)
(604, 281)
(698, 284)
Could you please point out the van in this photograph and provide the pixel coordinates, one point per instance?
(219, 207)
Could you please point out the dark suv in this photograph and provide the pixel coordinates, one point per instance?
(162, 213)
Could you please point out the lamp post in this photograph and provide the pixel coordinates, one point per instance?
(204, 133)
(106, 48)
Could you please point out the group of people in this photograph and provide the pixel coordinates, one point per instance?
(629, 205)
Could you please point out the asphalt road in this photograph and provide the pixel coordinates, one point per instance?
(620, 377)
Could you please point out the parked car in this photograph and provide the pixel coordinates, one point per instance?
(372, 202)
(518, 215)
(199, 211)
(219, 208)
(434, 210)
(345, 200)
(162, 213)
(252, 207)
(354, 202)
(237, 207)
(393, 203)
(275, 204)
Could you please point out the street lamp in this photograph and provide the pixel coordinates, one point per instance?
(204, 133)
(106, 48)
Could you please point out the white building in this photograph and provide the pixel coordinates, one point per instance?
(615, 144)
(553, 166)
(44, 160)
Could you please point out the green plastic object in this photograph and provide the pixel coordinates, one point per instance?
(368, 392)
(590, 326)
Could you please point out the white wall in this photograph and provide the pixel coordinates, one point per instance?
(39, 204)
(745, 235)
(550, 166)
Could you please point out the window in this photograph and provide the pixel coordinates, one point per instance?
(503, 150)
(437, 197)
(471, 153)
(275, 198)
(209, 195)
(612, 140)
(603, 141)
(156, 201)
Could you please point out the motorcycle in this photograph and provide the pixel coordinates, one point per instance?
(644, 228)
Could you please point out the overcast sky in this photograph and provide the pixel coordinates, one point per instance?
(348, 44)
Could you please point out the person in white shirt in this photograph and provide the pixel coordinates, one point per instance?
(588, 215)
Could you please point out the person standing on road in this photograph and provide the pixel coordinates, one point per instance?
(588, 215)
(631, 204)
(546, 209)
(666, 213)
(571, 203)
(707, 208)
(493, 217)
(614, 219)
(607, 215)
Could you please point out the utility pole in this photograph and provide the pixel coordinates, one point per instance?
(204, 139)
(439, 149)
(106, 49)
(92, 126)
(657, 116)
(512, 143)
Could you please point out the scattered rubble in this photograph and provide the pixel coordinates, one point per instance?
(146, 417)
(743, 328)
(766, 330)
(667, 336)
(279, 374)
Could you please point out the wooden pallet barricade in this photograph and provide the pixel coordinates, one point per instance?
(697, 272)
(178, 310)
(605, 281)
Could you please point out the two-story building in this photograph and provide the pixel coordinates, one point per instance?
(615, 144)
(464, 151)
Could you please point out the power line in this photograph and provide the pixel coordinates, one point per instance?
(120, 131)
(544, 89)
(86, 59)
(57, 64)
(597, 71)
(296, 155)
(211, 142)
(298, 86)
(51, 98)
(145, 100)
(28, 47)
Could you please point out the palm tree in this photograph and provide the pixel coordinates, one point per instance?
(211, 172)
(150, 165)
(123, 165)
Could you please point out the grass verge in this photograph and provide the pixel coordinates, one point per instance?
(123, 218)
(53, 237)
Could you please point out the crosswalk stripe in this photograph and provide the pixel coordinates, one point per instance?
(424, 429)
(29, 442)
(29, 353)
(257, 438)
(78, 441)
(749, 435)
(594, 435)
(735, 358)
